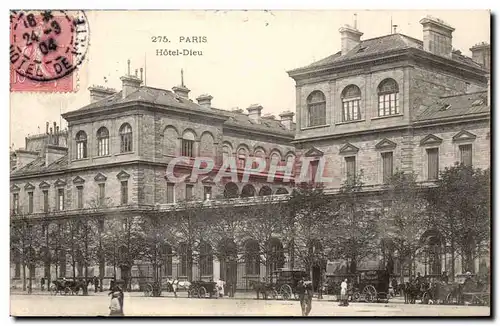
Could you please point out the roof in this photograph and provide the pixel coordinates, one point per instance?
(168, 98)
(383, 44)
(456, 106)
(237, 119)
(38, 166)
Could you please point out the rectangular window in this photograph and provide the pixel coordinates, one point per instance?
(317, 114)
(465, 154)
(432, 163)
(170, 192)
(350, 164)
(387, 167)
(124, 190)
(189, 192)
(102, 193)
(241, 162)
(15, 203)
(45, 201)
(313, 170)
(207, 192)
(81, 150)
(350, 110)
(187, 148)
(103, 146)
(30, 202)
(60, 199)
(388, 104)
(79, 197)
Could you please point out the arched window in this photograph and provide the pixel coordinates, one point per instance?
(265, 191)
(206, 259)
(188, 144)
(248, 191)
(227, 152)
(183, 259)
(81, 145)
(388, 98)
(351, 95)
(242, 157)
(258, 153)
(102, 141)
(252, 257)
(316, 108)
(166, 253)
(275, 158)
(231, 190)
(125, 138)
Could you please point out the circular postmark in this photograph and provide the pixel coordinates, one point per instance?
(47, 45)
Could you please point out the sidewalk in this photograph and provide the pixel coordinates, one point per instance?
(250, 295)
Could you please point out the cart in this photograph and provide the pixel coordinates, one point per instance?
(200, 289)
(286, 282)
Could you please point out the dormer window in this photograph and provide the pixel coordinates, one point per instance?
(81, 145)
(388, 98)
(316, 109)
(351, 95)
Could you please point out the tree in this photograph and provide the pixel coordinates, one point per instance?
(357, 225)
(404, 217)
(310, 222)
(263, 223)
(25, 237)
(461, 209)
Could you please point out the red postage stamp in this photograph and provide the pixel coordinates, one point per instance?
(46, 49)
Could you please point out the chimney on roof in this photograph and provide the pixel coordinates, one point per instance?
(481, 54)
(97, 93)
(237, 110)
(287, 119)
(437, 36)
(181, 90)
(205, 100)
(47, 128)
(350, 37)
(254, 112)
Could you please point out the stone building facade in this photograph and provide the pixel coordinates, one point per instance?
(395, 103)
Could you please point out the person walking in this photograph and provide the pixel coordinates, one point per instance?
(42, 283)
(343, 294)
(220, 287)
(116, 304)
(305, 292)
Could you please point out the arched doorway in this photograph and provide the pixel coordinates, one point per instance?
(231, 190)
(317, 261)
(275, 256)
(432, 249)
(265, 191)
(248, 191)
(228, 255)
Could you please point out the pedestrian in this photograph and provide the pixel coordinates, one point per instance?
(305, 292)
(175, 285)
(96, 284)
(116, 304)
(343, 294)
(42, 283)
(220, 287)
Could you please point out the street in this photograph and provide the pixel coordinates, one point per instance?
(136, 305)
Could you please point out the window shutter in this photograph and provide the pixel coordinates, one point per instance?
(433, 163)
(387, 166)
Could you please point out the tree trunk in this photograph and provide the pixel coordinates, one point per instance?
(452, 247)
(24, 277)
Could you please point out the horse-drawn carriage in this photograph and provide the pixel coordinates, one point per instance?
(200, 289)
(364, 285)
(283, 284)
(67, 287)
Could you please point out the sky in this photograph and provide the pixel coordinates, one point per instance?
(245, 58)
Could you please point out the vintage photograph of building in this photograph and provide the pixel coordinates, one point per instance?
(390, 135)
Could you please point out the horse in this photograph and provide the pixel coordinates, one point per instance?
(261, 288)
(411, 290)
(173, 285)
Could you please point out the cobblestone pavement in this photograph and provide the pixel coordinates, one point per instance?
(135, 305)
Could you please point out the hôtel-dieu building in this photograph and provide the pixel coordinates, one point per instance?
(376, 105)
